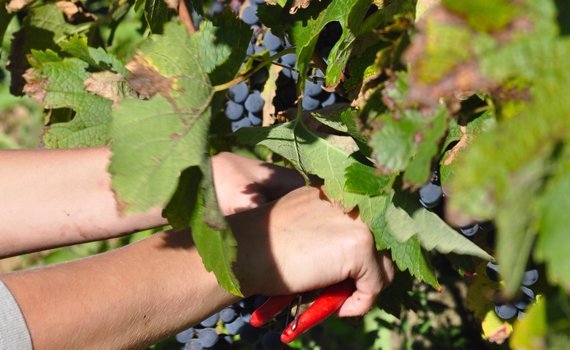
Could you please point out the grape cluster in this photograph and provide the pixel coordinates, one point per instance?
(218, 331)
(507, 311)
(245, 103)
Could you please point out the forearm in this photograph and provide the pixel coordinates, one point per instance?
(128, 298)
(59, 197)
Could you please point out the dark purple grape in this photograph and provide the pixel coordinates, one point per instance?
(254, 102)
(493, 271)
(246, 315)
(193, 344)
(506, 311)
(235, 326)
(313, 89)
(242, 123)
(272, 41)
(228, 315)
(310, 104)
(469, 231)
(216, 7)
(185, 335)
(238, 93)
(430, 195)
(254, 118)
(525, 299)
(210, 321)
(290, 73)
(288, 59)
(234, 111)
(530, 277)
(329, 101)
(249, 15)
(208, 337)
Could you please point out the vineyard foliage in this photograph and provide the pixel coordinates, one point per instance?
(474, 90)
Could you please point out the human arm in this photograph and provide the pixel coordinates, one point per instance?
(136, 295)
(52, 198)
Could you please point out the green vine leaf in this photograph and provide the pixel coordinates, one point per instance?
(155, 140)
(59, 83)
(406, 219)
(315, 155)
(349, 14)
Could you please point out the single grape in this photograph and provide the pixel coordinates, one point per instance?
(250, 49)
(193, 344)
(242, 123)
(290, 73)
(185, 335)
(249, 15)
(506, 311)
(216, 7)
(313, 89)
(493, 271)
(246, 315)
(272, 41)
(210, 321)
(271, 340)
(238, 93)
(207, 337)
(530, 277)
(254, 102)
(234, 111)
(235, 326)
(329, 101)
(430, 195)
(254, 118)
(288, 59)
(228, 315)
(469, 231)
(525, 299)
(310, 104)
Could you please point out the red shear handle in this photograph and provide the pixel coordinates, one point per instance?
(271, 308)
(330, 300)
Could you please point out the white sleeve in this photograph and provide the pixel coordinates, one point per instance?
(14, 332)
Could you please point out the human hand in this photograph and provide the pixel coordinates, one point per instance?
(244, 183)
(303, 242)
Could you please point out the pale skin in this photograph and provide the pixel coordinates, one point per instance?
(134, 296)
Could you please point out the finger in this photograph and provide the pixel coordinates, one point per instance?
(369, 283)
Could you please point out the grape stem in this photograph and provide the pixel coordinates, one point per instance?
(263, 63)
(185, 17)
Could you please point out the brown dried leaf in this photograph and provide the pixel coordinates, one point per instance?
(465, 77)
(146, 81)
(17, 5)
(299, 4)
(74, 12)
(35, 85)
(107, 85)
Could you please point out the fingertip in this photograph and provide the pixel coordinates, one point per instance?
(358, 304)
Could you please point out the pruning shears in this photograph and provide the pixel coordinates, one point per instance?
(328, 302)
